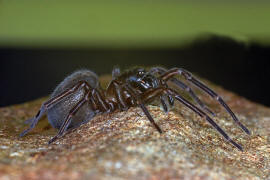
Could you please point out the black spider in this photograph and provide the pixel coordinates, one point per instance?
(78, 98)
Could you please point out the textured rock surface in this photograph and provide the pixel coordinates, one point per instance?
(124, 145)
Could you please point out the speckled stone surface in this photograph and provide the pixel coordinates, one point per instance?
(124, 145)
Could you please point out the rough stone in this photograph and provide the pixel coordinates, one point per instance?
(123, 145)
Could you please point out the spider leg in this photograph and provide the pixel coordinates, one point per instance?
(29, 121)
(171, 100)
(100, 101)
(192, 94)
(67, 121)
(45, 106)
(33, 121)
(163, 103)
(118, 91)
(157, 91)
(142, 106)
(194, 108)
(203, 114)
(188, 76)
(146, 112)
(184, 87)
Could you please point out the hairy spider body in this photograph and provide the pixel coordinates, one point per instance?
(59, 110)
(79, 98)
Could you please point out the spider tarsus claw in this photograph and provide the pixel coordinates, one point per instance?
(52, 140)
(239, 147)
(211, 112)
(245, 129)
(24, 132)
(159, 130)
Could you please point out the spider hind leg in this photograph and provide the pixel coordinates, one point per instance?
(68, 119)
(33, 121)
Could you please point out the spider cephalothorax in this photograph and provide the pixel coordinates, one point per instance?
(78, 98)
(140, 79)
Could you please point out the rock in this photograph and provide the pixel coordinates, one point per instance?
(123, 145)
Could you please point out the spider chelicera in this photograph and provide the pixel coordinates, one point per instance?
(79, 97)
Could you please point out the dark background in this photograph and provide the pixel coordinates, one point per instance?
(27, 74)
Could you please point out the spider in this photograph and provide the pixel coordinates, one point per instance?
(79, 97)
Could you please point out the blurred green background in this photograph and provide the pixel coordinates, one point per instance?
(227, 42)
(127, 23)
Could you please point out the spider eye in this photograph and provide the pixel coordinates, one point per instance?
(140, 73)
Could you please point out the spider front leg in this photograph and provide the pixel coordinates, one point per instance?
(139, 101)
(118, 90)
(156, 92)
(184, 87)
(192, 94)
(203, 114)
(188, 76)
(45, 106)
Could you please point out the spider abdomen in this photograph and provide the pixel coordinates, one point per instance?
(60, 111)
